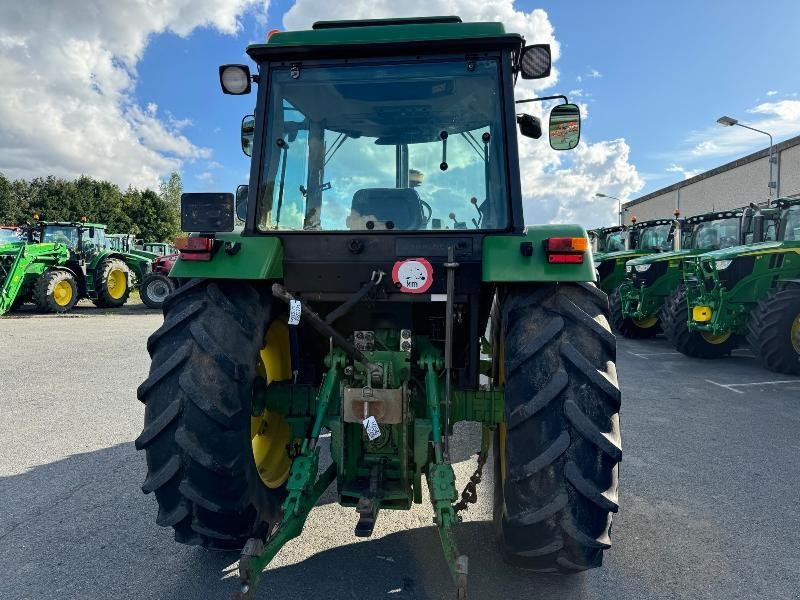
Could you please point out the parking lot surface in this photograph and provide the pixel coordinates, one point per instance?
(709, 488)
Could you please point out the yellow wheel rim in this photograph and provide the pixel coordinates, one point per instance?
(716, 339)
(116, 283)
(62, 293)
(645, 323)
(794, 334)
(269, 433)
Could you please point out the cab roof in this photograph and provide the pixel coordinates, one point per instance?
(72, 224)
(384, 36)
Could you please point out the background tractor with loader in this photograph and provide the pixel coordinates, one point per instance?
(55, 264)
(750, 291)
(383, 235)
(641, 239)
(637, 303)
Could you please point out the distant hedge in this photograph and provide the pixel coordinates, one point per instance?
(152, 216)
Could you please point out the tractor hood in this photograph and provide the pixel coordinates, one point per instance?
(750, 249)
(662, 256)
(621, 254)
(11, 247)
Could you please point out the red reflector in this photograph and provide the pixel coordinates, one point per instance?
(194, 244)
(566, 244)
(196, 256)
(565, 258)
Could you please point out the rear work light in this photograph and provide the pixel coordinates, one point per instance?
(566, 250)
(194, 248)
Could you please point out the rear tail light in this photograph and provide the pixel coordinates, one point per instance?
(566, 250)
(194, 248)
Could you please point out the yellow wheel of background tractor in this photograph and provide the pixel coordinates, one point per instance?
(55, 291)
(62, 293)
(716, 339)
(111, 283)
(269, 433)
(116, 283)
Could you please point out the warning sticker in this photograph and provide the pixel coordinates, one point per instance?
(295, 308)
(413, 275)
(371, 427)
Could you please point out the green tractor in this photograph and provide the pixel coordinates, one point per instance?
(750, 291)
(55, 264)
(158, 248)
(608, 239)
(641, 239)
(383, 236)
(636, 305)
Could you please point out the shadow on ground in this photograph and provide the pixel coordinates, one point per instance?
(81, 528)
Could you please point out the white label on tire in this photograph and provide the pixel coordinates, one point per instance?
(294, 312)
(371, 427)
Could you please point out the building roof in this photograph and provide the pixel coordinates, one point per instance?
(795, 141)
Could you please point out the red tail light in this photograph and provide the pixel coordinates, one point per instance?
(194, 248)
(566, 250)
(574, 259)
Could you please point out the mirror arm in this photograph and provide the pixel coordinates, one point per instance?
(556, 97)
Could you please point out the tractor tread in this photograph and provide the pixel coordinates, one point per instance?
(562, 442)
(556, 449)
(42, 293)
(158, 425)
(540, 400)
(768, 330)
(197, 415)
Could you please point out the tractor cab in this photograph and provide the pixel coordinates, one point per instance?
(84, 240)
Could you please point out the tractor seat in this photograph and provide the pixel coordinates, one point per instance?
(400, 206)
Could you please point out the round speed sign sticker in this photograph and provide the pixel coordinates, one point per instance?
(413, 275)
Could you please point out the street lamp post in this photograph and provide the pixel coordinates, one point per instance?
(773, 185)
(619, 204)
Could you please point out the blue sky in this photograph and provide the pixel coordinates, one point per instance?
(653, 73)
(129, 94)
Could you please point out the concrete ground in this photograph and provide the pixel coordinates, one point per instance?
(709, 488)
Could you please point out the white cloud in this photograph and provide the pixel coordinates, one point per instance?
(780, 118)
(772, 93)
(69, 70)
(205, 179)
(556, 186)
(685, 173)
(594, 74)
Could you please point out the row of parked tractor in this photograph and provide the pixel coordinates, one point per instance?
(56, 264)
(710, 283)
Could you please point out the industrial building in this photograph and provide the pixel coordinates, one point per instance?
(731, 185)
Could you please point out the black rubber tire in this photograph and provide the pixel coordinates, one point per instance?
(104, 299)
(197, 417)
(625, 325)
(152, 284)
(675, 322)
(562, 445)
(43, 290)
(769, 328)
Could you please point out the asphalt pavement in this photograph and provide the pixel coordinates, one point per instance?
(709, 496)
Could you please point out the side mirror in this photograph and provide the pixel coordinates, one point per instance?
(207, 212)
(565, 126)
(248, 133)
(241, 202)
(529, 126)
(535, 61)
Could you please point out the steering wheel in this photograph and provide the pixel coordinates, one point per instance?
(430, 212)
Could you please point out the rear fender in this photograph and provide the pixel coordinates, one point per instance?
(504, 257)
(256, 257)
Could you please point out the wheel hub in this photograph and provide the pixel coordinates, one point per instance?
(645, 323)
(716, 339)
(158, 291)
(62, 293)
(116, 283)
(794, 334)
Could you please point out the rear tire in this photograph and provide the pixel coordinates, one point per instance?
(675, 321)
(627, 326)
(774, 331)
(155, 289)
(56, 291)
(198, 397)
(561, 448)
(112, 281)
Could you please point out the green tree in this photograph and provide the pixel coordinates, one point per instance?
(171, 190)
